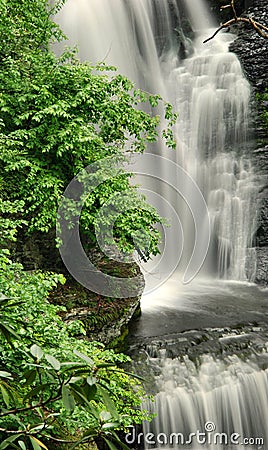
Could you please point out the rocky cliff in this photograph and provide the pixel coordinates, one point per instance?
(252, 51)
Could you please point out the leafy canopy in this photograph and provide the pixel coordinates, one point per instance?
(58, 115)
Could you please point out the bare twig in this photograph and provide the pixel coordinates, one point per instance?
(261, 29)
(233, 9)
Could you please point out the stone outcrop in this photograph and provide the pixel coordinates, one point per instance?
(252, 51)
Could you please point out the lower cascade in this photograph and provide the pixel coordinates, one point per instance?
(217, 403)
(204, 358)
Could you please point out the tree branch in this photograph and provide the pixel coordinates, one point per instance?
(224, 25)
(261, 29)
(29, 408)
(233, 9)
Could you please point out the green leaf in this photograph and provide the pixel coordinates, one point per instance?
(67, 398)
(37, 445)
(110, 444)
(8, 332)
(90, 432)
(103, 365)
(5, 395)
(22, 445)
(105, 416)
(30, 376)
(4, 374)
(75, 366)
(108, 402)
(12, 445)
(90, 391)
(36, 351)
(37, 427)
(36, 390)
(91, 380)
(84, 357)
(81, 393)
(53, 362)
(120, 443)
(5, 444)
(110, 425)
(6, 301)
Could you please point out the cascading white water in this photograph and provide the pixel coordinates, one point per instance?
(213, 97)
(118, 33)
(210, 93)
(230, 395)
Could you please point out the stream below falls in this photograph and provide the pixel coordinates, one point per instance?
(203, 353)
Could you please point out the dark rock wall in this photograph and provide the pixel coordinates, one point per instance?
(252, 51)
(223, 15)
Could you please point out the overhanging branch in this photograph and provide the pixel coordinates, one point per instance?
(261, 29)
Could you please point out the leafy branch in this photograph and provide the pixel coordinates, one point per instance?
(76, 384)
(70, 394)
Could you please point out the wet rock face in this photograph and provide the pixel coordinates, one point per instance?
(262, 266)
(252, 51)
(262, 234)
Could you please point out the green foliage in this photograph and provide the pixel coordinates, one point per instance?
(55, 388)
(48, 386)
(52, 385)
(58, 116)
(9, 223)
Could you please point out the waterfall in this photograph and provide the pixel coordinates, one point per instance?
(206, 85)
(213, 97)
(225, 399)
